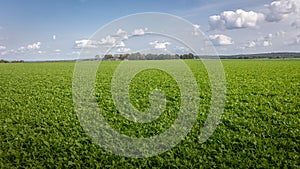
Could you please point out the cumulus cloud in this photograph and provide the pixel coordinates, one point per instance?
(2, 47)
(221, 40)
(266, 43)
(85, 43)
(160, 45)
(34, 46)
(263, 41)
(21, 49)
(120, 44)
(135, 32)
(57, 50)
(138, 32)
(108, 40)
(251, 44)
(123, 50)
(54, 37)
(196, 31)
(235, 19)
(2, 50)
(281, 9)
(121, 33)
(5, 51)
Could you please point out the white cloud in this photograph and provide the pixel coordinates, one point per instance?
(266, 43)
(21, 49)
(220, 40)
(251, 44)
(108, 40)
(196, 31)
(263, 41)
(120, 32)
(2, 50)
(160, 45)
(31, 48)
(120, 44)
(57, 50)
(123, 50)
(269, 36)
(3, 53)
(196, 26)
(2, 47)
(85, 43)
(296, 23)
(34, 46)
(235, 19)
(82, 43)
(138, 32)
(281, 9)
(54, 37)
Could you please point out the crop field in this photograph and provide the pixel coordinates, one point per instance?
(260, 126)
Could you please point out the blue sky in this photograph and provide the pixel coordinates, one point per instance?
(46, 30)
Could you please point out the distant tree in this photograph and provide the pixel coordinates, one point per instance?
(187, 56)
(150, 56)
(17, 61)
(124, 56)
(97, 57)
(4, 61)
(136, 56)
(108, 56)
(190, 56)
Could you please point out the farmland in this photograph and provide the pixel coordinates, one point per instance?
(260, 127)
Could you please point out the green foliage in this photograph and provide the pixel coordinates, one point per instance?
(4, 61)
(149, 56)
(14, 61)
(259, 128)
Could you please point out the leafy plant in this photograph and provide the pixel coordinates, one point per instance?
(259, 127)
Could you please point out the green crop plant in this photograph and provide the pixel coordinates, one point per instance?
(260, 126)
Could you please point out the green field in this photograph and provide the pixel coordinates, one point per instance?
(260, 127)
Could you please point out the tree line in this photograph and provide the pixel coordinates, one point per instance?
(14, 61)
(140, 56)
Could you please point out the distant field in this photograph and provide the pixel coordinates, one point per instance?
(260, 127)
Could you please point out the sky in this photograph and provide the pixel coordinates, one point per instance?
(57, 30)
